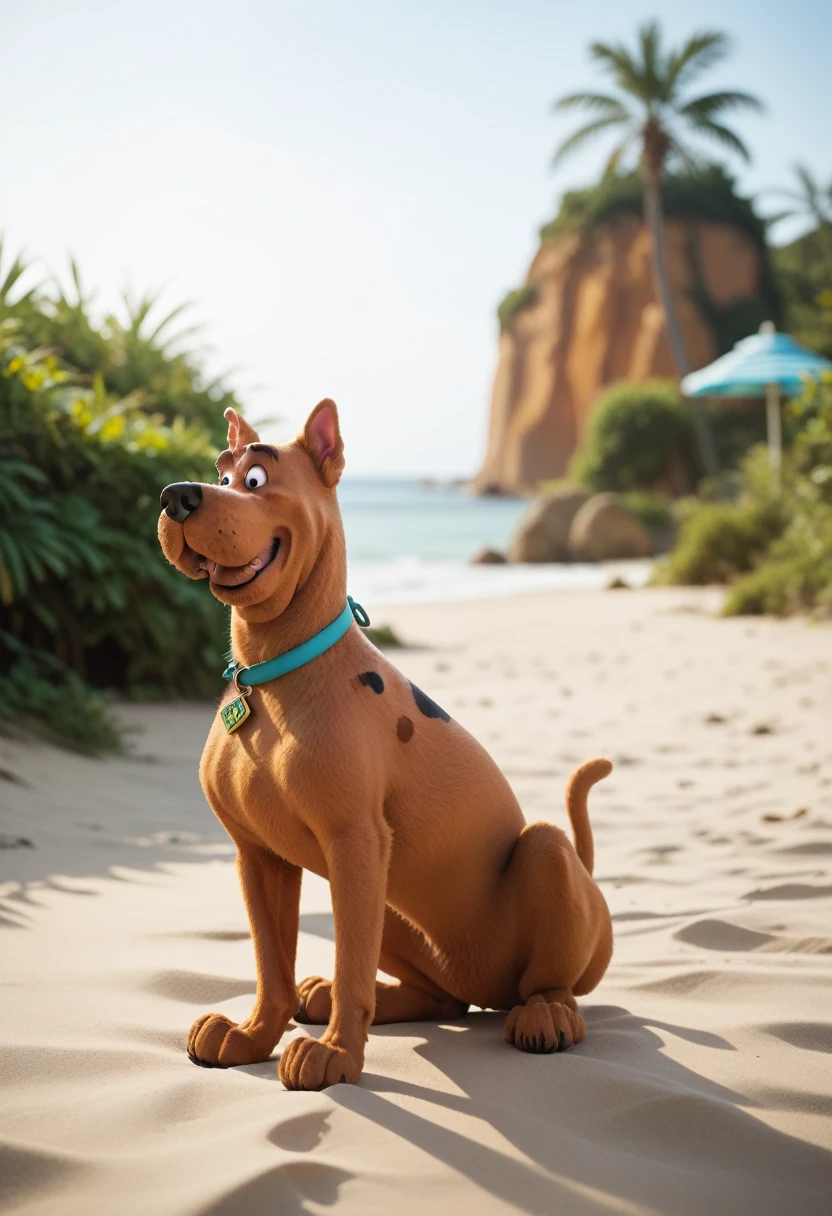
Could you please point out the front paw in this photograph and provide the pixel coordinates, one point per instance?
(314, 1064)
(217, 1042)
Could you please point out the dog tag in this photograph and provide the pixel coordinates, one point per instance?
(235, 713)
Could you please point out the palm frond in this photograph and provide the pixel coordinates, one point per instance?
(583, 134)
(712, 104)
(137, 312)
(811, 189)
(778, 217)
(590, 101)
(166, 321)
(700, 52)
(76, 279)
(691, 162)
(15, 271)
(625, 71)
(811, 199)
(722, 135)
(617, 155)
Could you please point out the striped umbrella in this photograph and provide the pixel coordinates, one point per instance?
(768, 363)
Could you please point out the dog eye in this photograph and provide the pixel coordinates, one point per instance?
(256, 477)
(226, 480)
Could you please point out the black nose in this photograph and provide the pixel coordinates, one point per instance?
(180, 499)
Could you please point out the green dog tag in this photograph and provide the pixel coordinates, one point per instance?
(235, 713)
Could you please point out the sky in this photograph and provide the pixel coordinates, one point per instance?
(345, 190)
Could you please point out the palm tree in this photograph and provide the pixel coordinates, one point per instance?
(810, 201)
(648, 114)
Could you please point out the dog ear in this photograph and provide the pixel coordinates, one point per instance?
(322, 440)
(240, 432)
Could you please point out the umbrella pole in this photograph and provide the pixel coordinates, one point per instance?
(774, 432)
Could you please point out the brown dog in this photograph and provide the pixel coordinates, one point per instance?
(346, 769)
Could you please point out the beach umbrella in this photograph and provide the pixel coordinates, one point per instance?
(765, 364)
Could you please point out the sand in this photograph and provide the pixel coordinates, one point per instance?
(705, 1081)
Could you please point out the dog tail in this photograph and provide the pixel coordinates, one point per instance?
(580, 783)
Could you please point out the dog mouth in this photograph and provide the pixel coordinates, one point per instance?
(240, 576)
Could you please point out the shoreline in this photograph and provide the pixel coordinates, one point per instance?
(411, 580)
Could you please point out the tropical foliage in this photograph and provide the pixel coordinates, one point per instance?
(91, 429)
(141, 356)
(805, 265)
(775, 548)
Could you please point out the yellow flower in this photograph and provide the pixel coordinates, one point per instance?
(16, 364)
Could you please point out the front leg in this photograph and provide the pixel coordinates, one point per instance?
(358, 858)
(271, 890)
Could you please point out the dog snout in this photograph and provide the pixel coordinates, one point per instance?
(180, 499)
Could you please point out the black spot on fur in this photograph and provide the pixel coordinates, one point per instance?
(426, 706)
(371, 679)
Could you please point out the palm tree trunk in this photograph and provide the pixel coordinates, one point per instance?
(654, 219)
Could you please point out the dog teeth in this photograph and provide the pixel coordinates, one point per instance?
(255, 565)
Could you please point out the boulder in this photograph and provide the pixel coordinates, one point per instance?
(488, 557)
(542, 535)
(604, 530)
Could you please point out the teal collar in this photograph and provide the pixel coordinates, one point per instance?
(261, 673)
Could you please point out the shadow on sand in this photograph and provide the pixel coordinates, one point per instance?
(613, 1123)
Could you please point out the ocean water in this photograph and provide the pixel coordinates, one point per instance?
(412, 543)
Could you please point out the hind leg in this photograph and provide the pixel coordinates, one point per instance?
(566, 938)
(549, 1021)
(416, 998)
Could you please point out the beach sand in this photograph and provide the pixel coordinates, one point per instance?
(705, 1082)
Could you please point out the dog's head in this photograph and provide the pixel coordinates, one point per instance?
(257, 535)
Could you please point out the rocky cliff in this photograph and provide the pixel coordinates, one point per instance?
(587, 317)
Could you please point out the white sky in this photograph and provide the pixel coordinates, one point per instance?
(345, 189)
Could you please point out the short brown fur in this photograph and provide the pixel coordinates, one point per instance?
(435, 876)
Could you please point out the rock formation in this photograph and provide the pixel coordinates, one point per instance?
(542, 534)
(588, 317)
(604, 530)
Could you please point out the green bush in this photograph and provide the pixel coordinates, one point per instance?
(721, 540)
(140, 357)
(87, 600)
(41, 693)
(514, 301)
(779, 587)
(635, 433)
